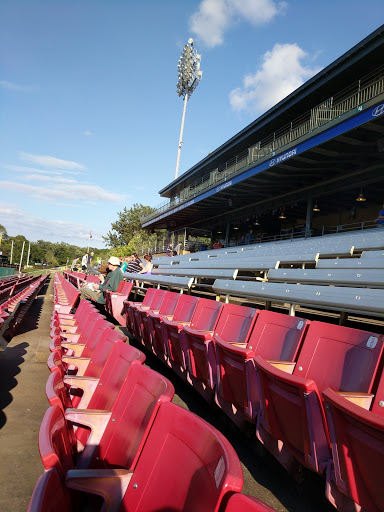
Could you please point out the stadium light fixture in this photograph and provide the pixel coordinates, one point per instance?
(189, 76)
(316, 207)
(361, 197)
(256, 223)
(282, 214)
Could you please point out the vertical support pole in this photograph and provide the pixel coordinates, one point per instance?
(308, 220)
(292, 309)
(227, 234)
(29, 251)
(11, 252)
(343, 318)
(181, 137)
(21, 257)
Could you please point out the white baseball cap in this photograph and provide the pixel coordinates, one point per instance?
(114, 260)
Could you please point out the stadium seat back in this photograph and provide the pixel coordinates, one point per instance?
(205, 315)
(276, 336)
(179, 439)
(185, 308)
(350, 356)
(50, 494)
(55, 444)
(235, 322)
(95, 335)
(102, 351)
(57, 392)
(133, 413)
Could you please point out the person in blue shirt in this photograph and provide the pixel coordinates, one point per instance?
(380, 219)
(250, 237)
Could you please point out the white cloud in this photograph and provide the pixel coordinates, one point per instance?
(14, 87)
(27, 170)
(214, 17)
(52, 179)
(35, 228)
(281, 72)
(88, 133)
(50, 161)
(64, 191)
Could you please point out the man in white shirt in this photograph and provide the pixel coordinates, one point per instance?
(84, 261)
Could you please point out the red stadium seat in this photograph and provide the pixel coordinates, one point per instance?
(292, 419)
(154, 340)
(116, 436)
(80, 315)
(140, 314)
(50, 494)
(56, 391)
(115, 301)
(357, 441)
(171, 327)
(274, 336)
(129, 307)
(185, 464)
(56, 442)
(234, 323)
(91, 392)
(88, 331)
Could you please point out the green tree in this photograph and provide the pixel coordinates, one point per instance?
(128, 226)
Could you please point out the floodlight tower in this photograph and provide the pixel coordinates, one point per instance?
(189, 75)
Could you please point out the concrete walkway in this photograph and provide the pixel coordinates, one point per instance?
(23, 374)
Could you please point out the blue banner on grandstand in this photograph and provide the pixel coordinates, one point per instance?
(345, 126)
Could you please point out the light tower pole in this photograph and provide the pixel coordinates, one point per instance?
(189, 76)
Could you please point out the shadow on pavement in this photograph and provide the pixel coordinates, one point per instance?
(10, 361)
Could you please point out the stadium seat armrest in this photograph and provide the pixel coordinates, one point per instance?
(81, 363)
(77, 348)
(87, 384)
(285, 366)
(72, 337)
(111, 484)
(362, 399)
(95, 419)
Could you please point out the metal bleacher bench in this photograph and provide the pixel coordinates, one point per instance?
(372, 254)
(366, 301)
(357, 263)
(197, 273)
(183, 283)
(373, 278)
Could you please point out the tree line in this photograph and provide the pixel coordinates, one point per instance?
(125, 237)
(43, 252)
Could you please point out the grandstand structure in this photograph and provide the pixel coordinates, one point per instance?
(323, 146)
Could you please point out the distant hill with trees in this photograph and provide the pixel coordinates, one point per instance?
(43, 252)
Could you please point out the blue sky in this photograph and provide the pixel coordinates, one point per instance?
(89, 115)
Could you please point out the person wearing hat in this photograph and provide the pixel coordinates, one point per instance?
(110, 282)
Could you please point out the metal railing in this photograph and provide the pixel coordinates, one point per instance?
(356, 226)
(346, 100)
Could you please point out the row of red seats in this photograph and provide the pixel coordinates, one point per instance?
(112, 431)
(313, 389)
(16, 302)
(79, 278)
(65, 295)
